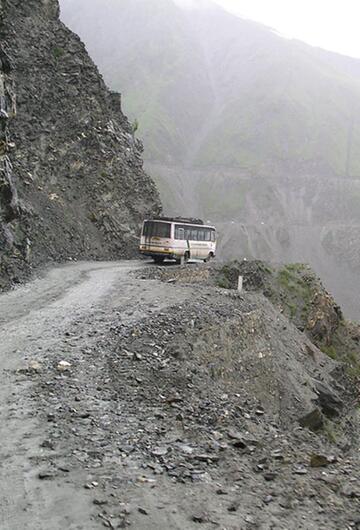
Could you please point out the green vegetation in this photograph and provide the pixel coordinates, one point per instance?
(58, 52)
(329, 351)
(134, 126)
(330, 430)
(296, 290)
(223, 282)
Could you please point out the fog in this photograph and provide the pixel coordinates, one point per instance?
(194, 4)
(309, 21)
(332, 25)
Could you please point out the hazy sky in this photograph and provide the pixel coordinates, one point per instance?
(330, 24)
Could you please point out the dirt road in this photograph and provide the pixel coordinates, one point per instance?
(175, 409)
(34, 320)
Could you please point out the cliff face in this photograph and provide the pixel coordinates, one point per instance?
(72, 183)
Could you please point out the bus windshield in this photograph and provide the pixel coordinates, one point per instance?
(156, 229)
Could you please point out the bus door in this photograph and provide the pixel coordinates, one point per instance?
(193, 243)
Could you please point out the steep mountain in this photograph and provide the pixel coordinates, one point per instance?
(71, 178)
(212, 90)
(256, 133)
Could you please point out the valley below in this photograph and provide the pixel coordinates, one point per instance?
(279, 219)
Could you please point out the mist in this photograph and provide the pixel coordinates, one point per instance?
(194, 4)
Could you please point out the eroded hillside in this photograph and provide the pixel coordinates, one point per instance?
(72, 183)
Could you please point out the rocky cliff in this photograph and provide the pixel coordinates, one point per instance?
(72, 184)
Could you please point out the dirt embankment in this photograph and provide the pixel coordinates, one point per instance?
(182, 403)
(299, 295)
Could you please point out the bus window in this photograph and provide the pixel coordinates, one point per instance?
(201, 235)
(213, 238)
(179, 232)
(207, 235)
(156, 229)
(194, 234)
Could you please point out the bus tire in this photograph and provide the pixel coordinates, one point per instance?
(208, 258)
(158, 259)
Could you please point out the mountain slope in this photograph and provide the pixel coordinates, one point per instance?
(210, 89)
(72, 183)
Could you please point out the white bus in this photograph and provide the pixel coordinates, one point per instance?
(177, 238)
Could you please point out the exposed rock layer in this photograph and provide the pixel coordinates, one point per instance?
(72, 183)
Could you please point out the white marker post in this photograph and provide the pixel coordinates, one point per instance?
(240, 284)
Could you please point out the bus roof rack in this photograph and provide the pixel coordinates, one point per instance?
(184, 220)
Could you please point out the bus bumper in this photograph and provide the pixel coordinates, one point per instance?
(158, 254)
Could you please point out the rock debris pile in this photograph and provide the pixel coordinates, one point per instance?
(217, 398)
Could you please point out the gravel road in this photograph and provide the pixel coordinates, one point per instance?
(173, 412)
(34, 318)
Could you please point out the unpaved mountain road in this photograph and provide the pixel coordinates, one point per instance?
(179, 408)
(34, 319)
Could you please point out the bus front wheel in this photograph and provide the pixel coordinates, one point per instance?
(158, 259)
(184, 259)
(208, 257)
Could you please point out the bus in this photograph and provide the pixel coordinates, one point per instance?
(178, 239)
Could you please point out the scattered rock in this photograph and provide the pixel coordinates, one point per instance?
(160, 451)
(199, 518)
(320, 461)
(35, 366)
(268, 499)
(300, 470)
(351, 490)
(234, 506)
(47, 444)
(100, 502)
(63, 366)
(314, 420)
(46, 475)
(270, 476)
(206, 457)
(330, 403)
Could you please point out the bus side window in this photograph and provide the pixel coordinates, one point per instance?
(201, 235)
(179, 233)
(213, 235)
(207, 235)
(194, 234)
(146, 229)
